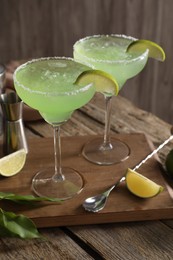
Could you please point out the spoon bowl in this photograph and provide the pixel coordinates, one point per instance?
(98, 202)
(95, 203)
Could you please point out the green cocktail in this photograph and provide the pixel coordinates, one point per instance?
(47, 84)
(109, 53)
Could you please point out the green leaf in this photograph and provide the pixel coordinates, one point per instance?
(12, 225)
(25, 198)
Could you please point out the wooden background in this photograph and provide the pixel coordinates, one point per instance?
(35, 28)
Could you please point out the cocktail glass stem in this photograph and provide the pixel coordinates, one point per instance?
(106, 141)
(106, 150)
(58, 176)
(58, 181)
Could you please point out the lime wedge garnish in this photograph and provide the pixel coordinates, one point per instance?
(155, 51)
(103, 82)
(12, 163)
(141, 186)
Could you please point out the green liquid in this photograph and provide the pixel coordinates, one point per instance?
(108, 53)
(48, 85)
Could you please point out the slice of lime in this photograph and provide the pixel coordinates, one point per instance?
(102, 81)
(155, 50)
(141, 186)
(12, 163)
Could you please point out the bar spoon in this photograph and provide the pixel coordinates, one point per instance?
(98, 202)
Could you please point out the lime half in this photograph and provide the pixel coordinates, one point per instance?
(141, 186)
(12, 163)
(155, 50)
(103, 82)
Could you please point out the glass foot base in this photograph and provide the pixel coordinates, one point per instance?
(43, 184)
(96, 152)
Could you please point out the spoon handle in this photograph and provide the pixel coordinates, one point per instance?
(107, 192)
(153, 152)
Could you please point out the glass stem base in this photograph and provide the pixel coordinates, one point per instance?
(99, 152)
(44, 184)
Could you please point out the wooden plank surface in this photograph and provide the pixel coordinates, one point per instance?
(55, 248)
(122, 206)
(134, 241)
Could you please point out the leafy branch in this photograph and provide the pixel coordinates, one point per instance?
(25, 198)
(12, 225)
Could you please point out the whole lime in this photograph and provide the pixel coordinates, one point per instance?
(169, 163)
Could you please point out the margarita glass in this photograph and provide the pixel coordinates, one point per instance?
(108, 53)
(46, 84)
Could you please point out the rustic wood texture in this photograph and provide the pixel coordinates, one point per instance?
(35, 28)
(121, 207)
(131, 240)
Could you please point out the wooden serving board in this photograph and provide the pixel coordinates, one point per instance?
(121, 206)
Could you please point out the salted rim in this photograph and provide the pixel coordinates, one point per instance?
(73, 92)
(108, 61)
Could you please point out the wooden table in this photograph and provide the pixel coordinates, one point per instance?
(123, 240)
